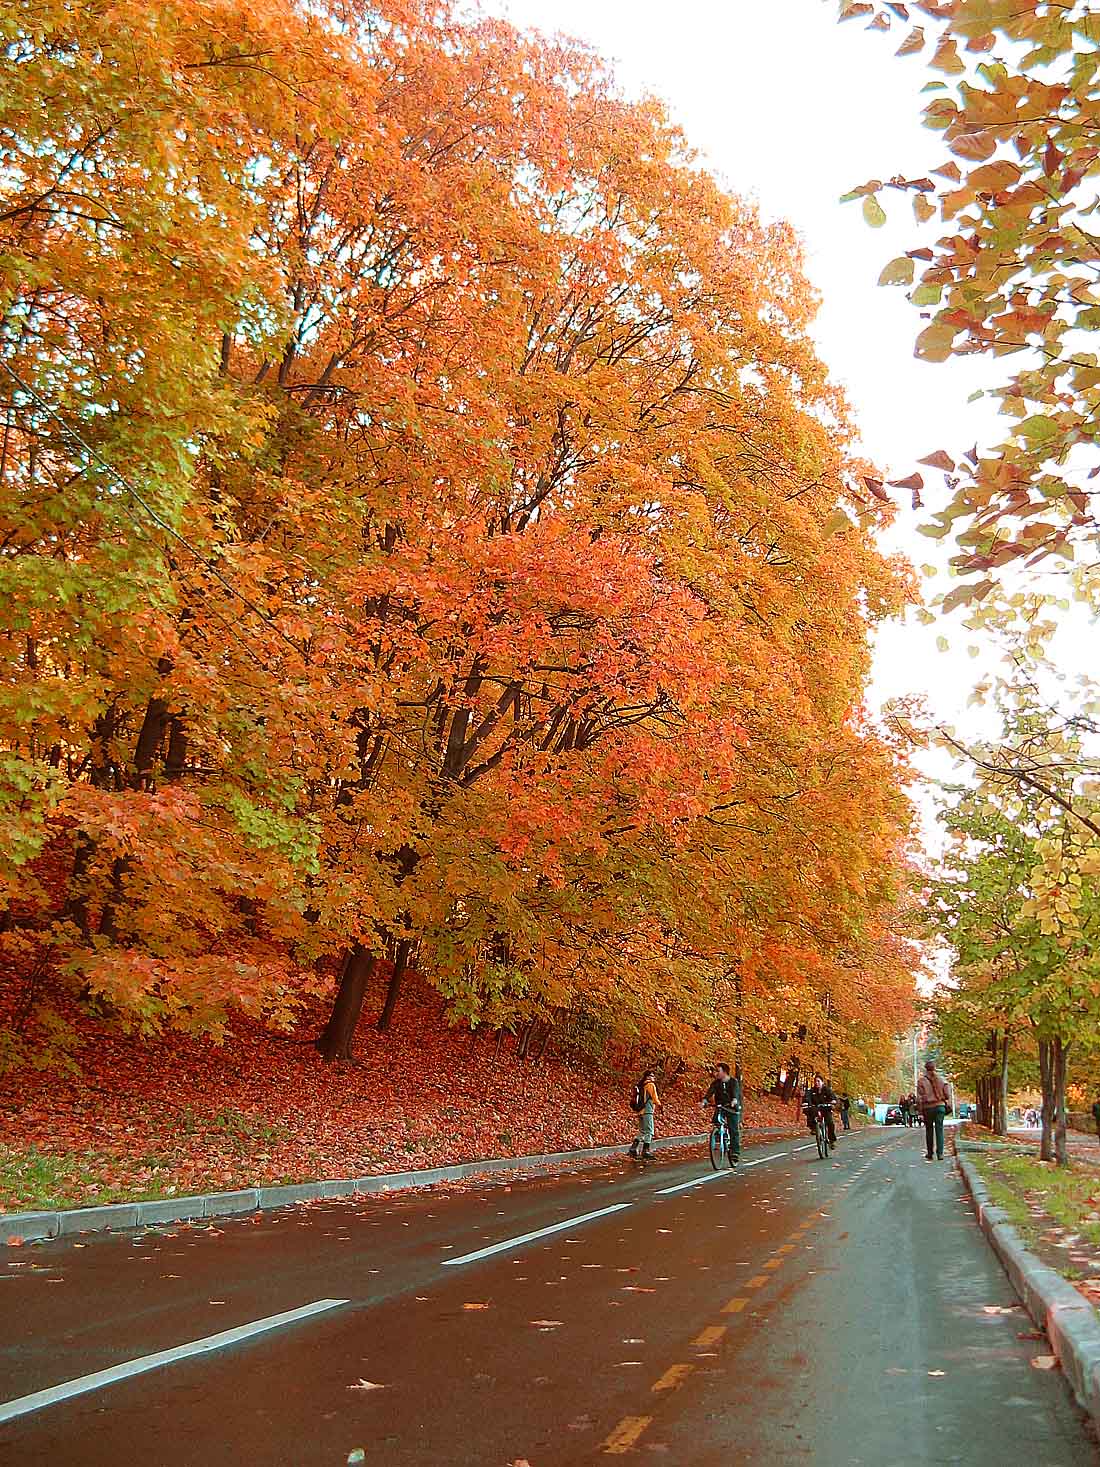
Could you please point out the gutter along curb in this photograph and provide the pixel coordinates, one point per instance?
(1069, 1320)
(34, 1226)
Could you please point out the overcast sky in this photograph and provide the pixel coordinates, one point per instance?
(793, 109)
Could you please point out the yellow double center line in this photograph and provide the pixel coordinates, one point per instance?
(625, 1436)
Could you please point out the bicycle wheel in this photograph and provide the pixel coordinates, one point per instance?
(821, 1139)
(716, 1140)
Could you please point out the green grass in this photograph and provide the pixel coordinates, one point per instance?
(36, 1180)
(42, 1181)
(1065, 1193)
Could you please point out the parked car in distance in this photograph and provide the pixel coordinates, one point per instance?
(894, 1116)
(966, 1111)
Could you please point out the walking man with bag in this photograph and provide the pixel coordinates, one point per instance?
(934, 1098)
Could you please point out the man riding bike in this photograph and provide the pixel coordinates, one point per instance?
(820, 1097)
(725, 1095)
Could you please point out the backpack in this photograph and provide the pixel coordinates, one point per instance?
(637, 1097)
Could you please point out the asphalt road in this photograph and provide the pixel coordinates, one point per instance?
(846, 1312)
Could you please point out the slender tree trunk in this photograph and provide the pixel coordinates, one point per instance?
(1046, 1081)
(1060, 1054)
(545, 1041)
(523, 1048)
(336, 1038)
(400, 964)
(1001, 1126)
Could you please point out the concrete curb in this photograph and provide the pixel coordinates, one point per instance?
(1069, 1320)
(35, 1226)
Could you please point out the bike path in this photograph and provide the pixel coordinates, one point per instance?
(73, 1306)
(792, 1312)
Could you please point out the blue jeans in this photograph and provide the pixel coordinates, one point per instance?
(933, 1123)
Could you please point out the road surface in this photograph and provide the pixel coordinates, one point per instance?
(845, 1312)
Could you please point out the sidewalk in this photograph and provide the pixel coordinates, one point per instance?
(1059, 1308)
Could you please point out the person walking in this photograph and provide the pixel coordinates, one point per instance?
(650, 1102)
(845, 1107)
(932, 1097)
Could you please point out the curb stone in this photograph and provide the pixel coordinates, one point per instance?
(37, 1226)
(1070, 1321)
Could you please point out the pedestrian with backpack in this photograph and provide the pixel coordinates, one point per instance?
(644, 1102)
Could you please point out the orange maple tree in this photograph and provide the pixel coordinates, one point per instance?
(438, 544)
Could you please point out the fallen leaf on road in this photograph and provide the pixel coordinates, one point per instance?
(547, 1323)
(15, 1242)
(1044, 1362)
(937, 1372)
(1030, 1334)
(357, 1455)
(475, 1306)
(366, 1385)
(627, 1362)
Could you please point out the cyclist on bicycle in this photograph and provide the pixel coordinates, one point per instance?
(820, 1097)
(725, 1095)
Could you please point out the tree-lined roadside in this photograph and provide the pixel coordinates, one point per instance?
(428, 540)
(177, 1115)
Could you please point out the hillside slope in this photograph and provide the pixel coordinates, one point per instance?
(180, 1114)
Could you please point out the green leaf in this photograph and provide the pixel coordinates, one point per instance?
(1038, 429)
(927, 295)
(873, 212)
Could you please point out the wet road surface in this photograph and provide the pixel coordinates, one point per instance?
(846, 1312)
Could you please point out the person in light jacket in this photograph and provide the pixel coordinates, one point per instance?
(933, 1098)
(652, 1103)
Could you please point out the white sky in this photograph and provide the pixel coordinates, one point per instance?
(793, 109)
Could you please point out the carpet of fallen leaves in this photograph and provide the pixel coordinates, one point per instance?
(179, 1114)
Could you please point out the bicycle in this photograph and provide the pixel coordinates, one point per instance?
(821, 1133)
(720, 1142)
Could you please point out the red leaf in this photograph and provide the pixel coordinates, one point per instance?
(938, 460)
(875, 486)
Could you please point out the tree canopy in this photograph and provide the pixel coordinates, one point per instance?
(430, 539)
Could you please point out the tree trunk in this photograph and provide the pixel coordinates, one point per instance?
(1046, 1081)
(1001, 1119)
(400, 963)
(545, 1040)
(1061, 1051)
(335, 1040)
(526, 1034)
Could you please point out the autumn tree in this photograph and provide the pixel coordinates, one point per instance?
(1010, 275)
(1015, 900)
(442, 543)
